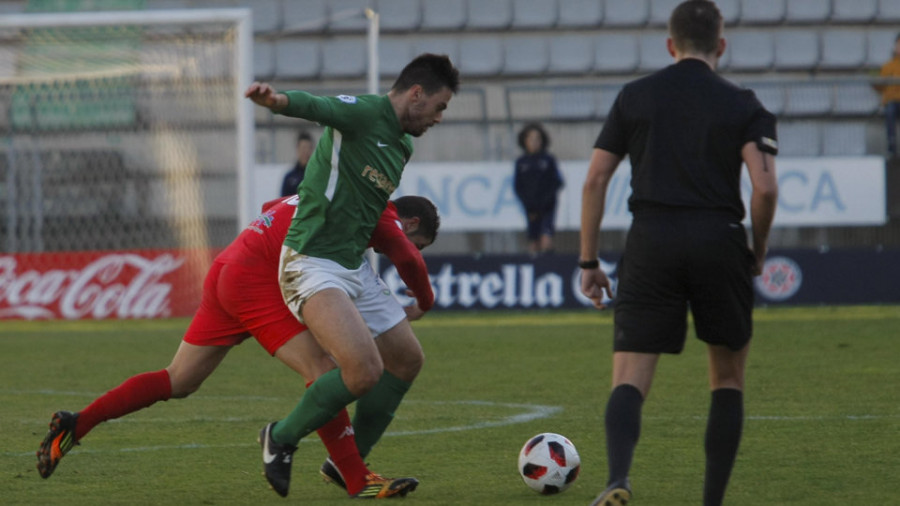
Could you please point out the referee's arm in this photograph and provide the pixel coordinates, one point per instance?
(593, 201)
(761, 167)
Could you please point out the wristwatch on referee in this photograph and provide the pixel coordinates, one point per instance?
(588, 264)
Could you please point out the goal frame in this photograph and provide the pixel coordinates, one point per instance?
(241, 18)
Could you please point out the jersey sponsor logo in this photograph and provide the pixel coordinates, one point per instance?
(262, 221)
(381, 181)
(780, 279)
(347, 99)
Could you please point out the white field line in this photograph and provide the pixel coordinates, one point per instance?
(529, 412)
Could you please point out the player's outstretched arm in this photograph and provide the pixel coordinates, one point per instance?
(265, 95)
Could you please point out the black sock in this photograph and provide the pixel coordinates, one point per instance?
(623, 426)
(723, 435)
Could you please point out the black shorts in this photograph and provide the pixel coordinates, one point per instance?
(680, 260)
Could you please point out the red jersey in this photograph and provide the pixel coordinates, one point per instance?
(259, 246)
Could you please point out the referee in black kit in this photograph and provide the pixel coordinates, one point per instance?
(686, 130)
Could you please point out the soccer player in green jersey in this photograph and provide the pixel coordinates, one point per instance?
(356, 166)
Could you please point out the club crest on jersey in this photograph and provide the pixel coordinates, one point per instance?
(347, 99)
(381, 181)
(264, 220)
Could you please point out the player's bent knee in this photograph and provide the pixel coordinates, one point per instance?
(361, 379)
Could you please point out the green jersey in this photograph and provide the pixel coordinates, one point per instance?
(356, 166)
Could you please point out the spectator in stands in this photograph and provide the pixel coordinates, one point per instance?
(537, 181)
(292, 179)
(890, 97)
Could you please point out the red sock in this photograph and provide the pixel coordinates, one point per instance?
(341, 445)
(137, 392)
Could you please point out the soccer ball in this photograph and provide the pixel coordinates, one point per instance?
(549, 463)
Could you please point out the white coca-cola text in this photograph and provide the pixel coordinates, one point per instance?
(125, 285)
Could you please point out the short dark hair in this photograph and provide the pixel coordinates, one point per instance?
(545, 139)
(696, 27)
(413, 206)
(430, 71)
(304, 136)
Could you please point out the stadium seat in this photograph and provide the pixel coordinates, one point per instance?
(854, 11)
(772, 96)
(574, 103)
(799, 138)
(626, 12)
(796, 49)
(399, 15)
(880, 46)
(653, 52)
(443, 14)
(844, 138)
(480, 56)
(529, 103)
(344, 57)
(534, 14)
(525, 55)
(580, 13)
(348, 15)
(762, 12)
(571, 54)
(661, 10)
(297, 59)
(888, 11)
(263, 60)
(489, 14)
(606, 99)
(438, 45)
(808, 100)
(615, 52)
(855, 99)
(843, 49)
(808, 11)
(393, 54)
(305, 16)
(751, 50)
(731, 11)
(266, 15)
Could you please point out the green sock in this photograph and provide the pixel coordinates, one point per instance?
(319, 404)
(375, 410)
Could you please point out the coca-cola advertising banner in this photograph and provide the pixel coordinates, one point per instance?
(103, 284)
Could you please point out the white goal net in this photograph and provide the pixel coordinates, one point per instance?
(124, 130)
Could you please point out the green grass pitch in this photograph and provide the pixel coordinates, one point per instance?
(822, 409)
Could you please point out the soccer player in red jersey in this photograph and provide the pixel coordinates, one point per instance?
(242, 298)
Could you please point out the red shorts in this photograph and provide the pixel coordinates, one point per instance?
(239, 302)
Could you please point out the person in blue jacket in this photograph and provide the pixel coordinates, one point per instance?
(537, 182)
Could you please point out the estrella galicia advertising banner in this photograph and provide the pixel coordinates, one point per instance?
(790, 277)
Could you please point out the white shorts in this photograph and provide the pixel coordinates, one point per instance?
(301, 277)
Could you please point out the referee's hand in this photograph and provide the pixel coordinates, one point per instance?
(594, 284)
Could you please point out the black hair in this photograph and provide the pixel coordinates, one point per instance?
(696, 27)
(412, 206)
(303, 135)
(545, 139)
(430, 71)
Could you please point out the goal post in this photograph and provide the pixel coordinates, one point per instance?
(125, 129)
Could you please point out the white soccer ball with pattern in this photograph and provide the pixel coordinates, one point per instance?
(549, 463)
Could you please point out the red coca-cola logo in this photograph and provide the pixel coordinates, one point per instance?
(114, 285)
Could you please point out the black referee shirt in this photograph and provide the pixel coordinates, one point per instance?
(683, 128)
